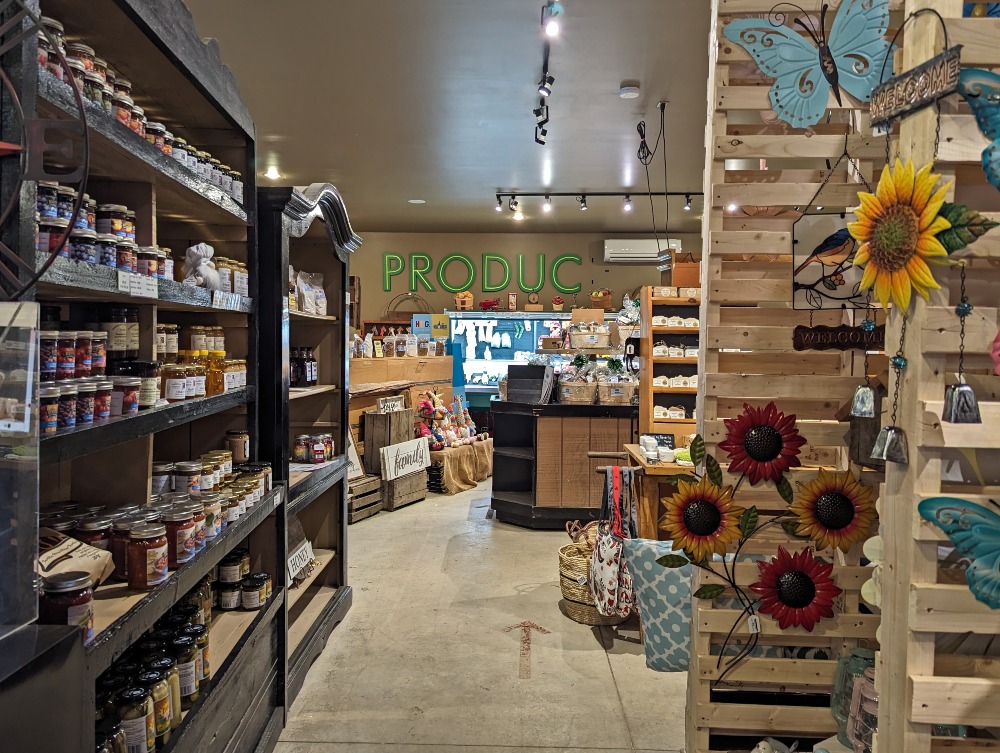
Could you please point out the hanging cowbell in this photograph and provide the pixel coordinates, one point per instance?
(863, 405)
(891, 446)
(960, 405)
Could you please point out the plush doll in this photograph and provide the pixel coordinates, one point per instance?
(199, 269)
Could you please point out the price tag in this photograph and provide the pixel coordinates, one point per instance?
(298, 559)
(753, 623)
(145, 287)
(124, 283)
(581, 579)
(278, 496)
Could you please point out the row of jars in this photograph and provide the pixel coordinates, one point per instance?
(318, 448)
(99, 84)
(196, 337)
(234, 276)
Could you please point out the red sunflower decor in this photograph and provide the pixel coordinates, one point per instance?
(763, 443)
(796, 589)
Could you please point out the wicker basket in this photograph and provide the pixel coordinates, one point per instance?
(463, 304)
(590, 339)
(577, 393)
(616, 393)
(601, 301)
(574, 567)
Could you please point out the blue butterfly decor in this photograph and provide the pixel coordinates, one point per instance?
(981, 10)
(981, 89)
(975, 532)
(851, 57)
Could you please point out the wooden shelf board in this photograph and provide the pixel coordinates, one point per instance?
(296, 393)
(299, 629)
(325, 557)
(675, 330)
(660, 301)
(309, 318)
(306, 486)
(690, 421)
(525, 453)
(668, 359)
(675, 390)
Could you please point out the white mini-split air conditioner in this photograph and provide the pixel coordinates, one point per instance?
(640, 251)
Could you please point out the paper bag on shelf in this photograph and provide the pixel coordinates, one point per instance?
(58, 553)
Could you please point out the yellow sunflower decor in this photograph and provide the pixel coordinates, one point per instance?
(897, 228)
(834, 510)
(701, 518)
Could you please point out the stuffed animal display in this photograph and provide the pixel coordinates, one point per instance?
(445, 426)
(199, 269)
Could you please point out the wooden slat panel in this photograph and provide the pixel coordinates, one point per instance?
(838, 626)
(763, 7)
(947, 608)
(848, 578)
(816, 433)
(788, 363)
(961, 139)
(978, 37)
(779, 316)
(786, 194)
(778, 387)
(777, 671)
(548, 460)
(820, 408)
(749, 338)
(740, 242)
(748, 291)
(756, 97)
(967, 666)
(955, 700)
(937, 433)
(782, 147)
(745, 717)
(940, 333)
(575, 443)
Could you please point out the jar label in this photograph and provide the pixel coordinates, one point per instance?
(132, 333)
(172, 343)
(66, 365)
(229, 599)
(199, 533)
(199, 386)
(161, 484)
(117, 399)
(156, 565)
(199, 342)
(102, 405)
(190, 387)
(149, 391)
(229, 573)
(206, 666)
(49, 357)
(225, 277)
(82, 616)
(185, 543)
(229, 380)
(176, 388)
(48, 417)
(241, 283)
(199, 672)
(161, 343)
(117, 335)
(188, 678)
(101, 544)
(162, 715)
(140, 734)
(251, 598)
(211, 524)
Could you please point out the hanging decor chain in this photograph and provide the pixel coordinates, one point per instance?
(962, 309)
(898, 362)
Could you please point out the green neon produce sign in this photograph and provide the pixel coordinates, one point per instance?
(456, 273)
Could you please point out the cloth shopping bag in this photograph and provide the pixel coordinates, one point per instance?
(610, 581)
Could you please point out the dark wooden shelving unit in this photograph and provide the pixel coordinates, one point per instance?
(291, 235)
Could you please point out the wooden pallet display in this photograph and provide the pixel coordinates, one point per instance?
(404, 490)
(364, 498)
(746, 356)
(919, 685)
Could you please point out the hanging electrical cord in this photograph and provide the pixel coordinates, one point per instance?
(645, 155)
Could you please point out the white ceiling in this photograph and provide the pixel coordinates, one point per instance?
(392, 100)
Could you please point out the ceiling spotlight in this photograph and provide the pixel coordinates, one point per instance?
(819, 209)
(583, 203)
(518, 215)
(272, 173)
(732, 207)
(512, 204)
(687, 202)
(627, 204)
(499, 206)
(545, 84)
(540, 135)
(550, 18)
(541, 114)
(547, 206)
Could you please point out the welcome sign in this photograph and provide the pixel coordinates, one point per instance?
(405, 458)
(456, 273)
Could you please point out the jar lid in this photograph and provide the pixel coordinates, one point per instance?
(149, 677)
(130, 213)
(228, 586)
(104, 385)
(123, 82)
(187, 465)
(125, 99)
(60, 524)
(133, 695)
(127, 244)
(92, 77)
(153, 125)
(176, 513)
(162, 663)
(195, 631)
(94, 523)
(162, 467)
(80, 47)
(128, 522)
(49, 334)
(112, 208)
(51, 23)
(174, 497)
(71, 581)
(183, 641)
(68, 389)
(250, 582)
(86, 387)
(180, 140)
(236, 432)
(127, 381)
(54, 221)
(148, 531)
(136, 110)
(147, 249)
(193, 506)
(100, 62)
(83, 233)
(129, 508)
(260, 576)
(48, 392)
(75, 63)
(107, 238)
(66, 334)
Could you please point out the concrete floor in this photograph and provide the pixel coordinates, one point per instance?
(423, 663)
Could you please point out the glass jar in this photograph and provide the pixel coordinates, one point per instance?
(113, 322)
(130, 225)
(156, 134)
(94, 530)
(111, 220)
(302, 449)
(232, 508)
(163, 478)
(174, 378)
(185, 651)
(48, 356)
(198, 372)
(123, 86)
(244, 555)
(66, 364)
(67, 406)
(180, 535)
(241, 279)
(213, 512)
(161, 264)
(132, 332)
(107, 249)
(119, 542)
(108, 99)
(135, 709)
(55, 30)
(187, 477)
(170, 343)
(127, 255)
(147, 261)
(90, 205)
(83, 354)
(168, 143)
(224, 267)
(102, 400)
(81, 52)
(229, 596)
(148, 560)
(238, 443)
(168, 267)
(122, 105)
(265, 580)
(207, 476)
(230, 571)
(225, 459)
(65, 201)
(82, 246)
(48, 412)
(200, 635)
(137, 120)
(101, 68)
(155, 684)
(149, 389)
(55, 65)
(168, 666)
(237, 186)
(86, 403)
(46, 199)
(198, 517)
(215, 377)
(68, 599)
(93, 88)
(250, 594)
(231, 375)
(180, 150)
(51, 232)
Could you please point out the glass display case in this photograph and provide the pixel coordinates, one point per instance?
(19, 409)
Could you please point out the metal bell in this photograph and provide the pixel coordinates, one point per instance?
(863, 405)
(891, 446)
(960, 405)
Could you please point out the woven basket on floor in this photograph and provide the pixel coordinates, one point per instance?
(574, 569)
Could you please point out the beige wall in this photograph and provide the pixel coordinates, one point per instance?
(368, 260)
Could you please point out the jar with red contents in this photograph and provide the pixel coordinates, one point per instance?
(66, 365)
(48, 356)
(48, 413)
(84, 354)
(68, 599)
(67, 406)
(102, 400)
(94, 530)
(86, 393)
(181, 545)
(128, 256)
(197, 510)
(119, 541)
(125, 396)
(98, 353)
(148, 560)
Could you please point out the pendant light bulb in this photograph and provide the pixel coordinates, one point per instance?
(550, 18)
(499, 206)
(547, 206)
(518, 215)
(583, 203)
(627, 204)
(687, 202)
(545, 84)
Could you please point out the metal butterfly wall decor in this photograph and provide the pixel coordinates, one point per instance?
(981, 89)
(981, 10)
(975, 532)
(854, 56)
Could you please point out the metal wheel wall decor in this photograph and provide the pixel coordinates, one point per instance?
(39, 149)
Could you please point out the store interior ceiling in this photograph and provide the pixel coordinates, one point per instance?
(399, 100)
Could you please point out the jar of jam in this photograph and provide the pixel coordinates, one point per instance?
(48, 356)
(101, 68)
(66, 364)
(148, 560)
(65, 201)
(156, 685)
(118, 545)
(48, 413)
(229, 596)
(187, 477)
(86, 403)
(231, 509)
(122, 105)
(125, 396)
(135, 709)
(82, 246)
(185, 651)
(111, 220)
(163, 478)
(265, 580)
(46, 199)
(130, 225)
(180, 150)
(136, 119)
(51, 233)
(127, 255)
(198, 517)
(207, 477)
(250, 591)
(83, 356)
(161, 264)
(244, 555)
(107, 249)
(213, 512)
(237, 186)
(180, 535)
(81, 52)
(67, 406)
(98, 353)
(68, 599)
(114, 324)
(149, 388)
(171, 342)
(147, 261)
(200, 635)
(156, 134)
(168, 666)
(94, 530)
(230, 569)
(102, 400)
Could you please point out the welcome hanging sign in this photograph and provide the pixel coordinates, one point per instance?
(916, 89)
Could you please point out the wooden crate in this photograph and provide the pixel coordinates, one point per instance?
(404, 490)
(383, 430)
(364, 498)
